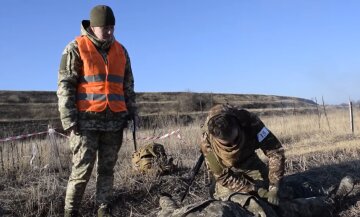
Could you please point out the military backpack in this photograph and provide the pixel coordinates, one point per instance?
(152, 158)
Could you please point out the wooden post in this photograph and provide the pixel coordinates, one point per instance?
(327, 120)
(54, 147)
(177, 110)
(294, 109)
(351, 117)
(1, 158)
(318, 112)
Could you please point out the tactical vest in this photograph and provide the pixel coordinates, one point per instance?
(101, 83)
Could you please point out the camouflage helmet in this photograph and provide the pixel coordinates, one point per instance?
(152, 158)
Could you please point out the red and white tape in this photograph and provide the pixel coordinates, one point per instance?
(160, 137)
(51, 131)
(62, 134)
(22, 136)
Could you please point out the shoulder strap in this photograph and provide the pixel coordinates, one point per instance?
(215, 166)
(213, 162)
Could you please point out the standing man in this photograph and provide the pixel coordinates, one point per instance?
(96, 98)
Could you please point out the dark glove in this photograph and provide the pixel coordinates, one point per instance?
(131, 117)
(136, 120)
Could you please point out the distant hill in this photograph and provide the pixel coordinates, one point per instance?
(34, 107)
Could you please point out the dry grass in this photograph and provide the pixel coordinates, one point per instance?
(315, 149)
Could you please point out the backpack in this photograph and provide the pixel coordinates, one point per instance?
(152, 158)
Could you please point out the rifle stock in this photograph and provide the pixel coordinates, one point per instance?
(195, 171)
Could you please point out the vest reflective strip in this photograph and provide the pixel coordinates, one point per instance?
(91, 96)
(100, 97)
(101, 77)
(116, 97)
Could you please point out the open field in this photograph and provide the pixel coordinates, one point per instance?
(321, 148)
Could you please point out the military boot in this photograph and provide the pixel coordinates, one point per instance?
(338, 194)
(346, 186)
(71, 213)
(104, 211)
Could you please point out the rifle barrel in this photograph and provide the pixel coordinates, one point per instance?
(195, 171)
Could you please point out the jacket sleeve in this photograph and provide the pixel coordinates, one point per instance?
(238, 182)
(70, 68)
(130, 96)
(271, 147)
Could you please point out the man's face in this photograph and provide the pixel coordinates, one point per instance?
(103, 32)
(233, 136)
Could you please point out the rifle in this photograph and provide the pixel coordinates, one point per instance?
(195, 171)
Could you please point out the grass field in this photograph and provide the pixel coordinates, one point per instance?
(320, 147)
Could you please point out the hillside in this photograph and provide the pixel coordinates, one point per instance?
(39, 108)
(35, 105)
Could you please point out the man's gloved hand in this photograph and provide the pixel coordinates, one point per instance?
(131, 117)
(137, 120)
(270, 195)
(73, 129)
(262, 192)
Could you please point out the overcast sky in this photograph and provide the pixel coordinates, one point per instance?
(300, 48)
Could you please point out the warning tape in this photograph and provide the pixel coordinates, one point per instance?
(159, 137)
(22, 136)
(144, 138)
(51, 131)
(62, 134)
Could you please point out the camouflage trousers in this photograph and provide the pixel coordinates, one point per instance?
(249, 202)
(306, 207)
(208, 208)
(316, 206)
(301, 196)
(86, 148)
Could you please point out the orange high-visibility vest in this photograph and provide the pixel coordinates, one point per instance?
(101, 83)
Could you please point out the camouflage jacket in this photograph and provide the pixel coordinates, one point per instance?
(241, 175)
(70, 69)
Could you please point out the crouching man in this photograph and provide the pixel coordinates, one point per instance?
(230, 139)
